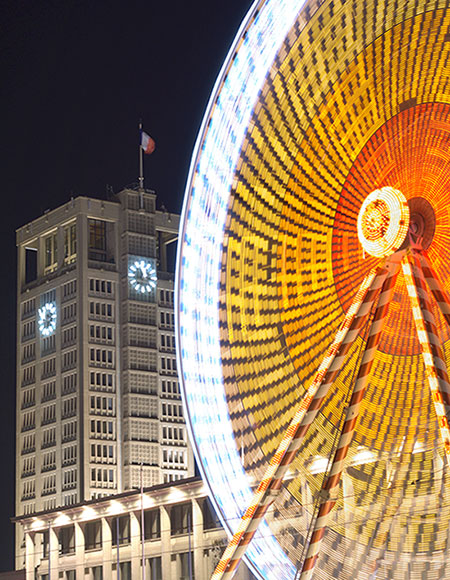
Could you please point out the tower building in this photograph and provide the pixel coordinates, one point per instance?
(98, 401)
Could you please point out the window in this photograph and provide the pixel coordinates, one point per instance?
(69, 313)
(29, 352)
(69, 455)
(69, 336)
(186, 564)
(152, 524)
(101, 381)
(48, 345)
(102, 405)
(100, 333)
(70, 244)
(210, 519)
(66, 538)
(29, 466)
(103, 429)
(69, 289)
(170, 388)
(100, 310)
(180, 519)
(48, 368)
(97, 573)
(29, 489)
(97, 286)
(101, 357)
(48, 438)
(69, 408)
(69, 384)
(69, 479)
(121, 529)
(69, 431)
(28, 398)
(48, 484)
(93, 535)
(69, 359)
(49, 461)
(48, 414)
(30, 265)
(29, 330)
(29, 444)
(155, 568)
(51, 258)
(29, 308)
(125, 570)
(48, 391)
(28, 421)
(97, 240)
(28, 376)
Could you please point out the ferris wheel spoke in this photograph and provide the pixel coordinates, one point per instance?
(433, 357)
(330, 486)
(304, 416)
(439, 293)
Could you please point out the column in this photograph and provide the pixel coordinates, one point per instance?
(165, 543)
(135, 533)
(197, 537)
(79, 551)
(29, 556)
(53, 559)
(107, 550)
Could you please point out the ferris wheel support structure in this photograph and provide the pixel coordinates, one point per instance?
(304, 416)
(379, 283)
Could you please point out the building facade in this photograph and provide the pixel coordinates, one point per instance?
(169, 532)
(98, 402)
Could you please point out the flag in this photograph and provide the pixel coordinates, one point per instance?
(147, 143)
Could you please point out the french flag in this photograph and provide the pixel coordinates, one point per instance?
(147, 143)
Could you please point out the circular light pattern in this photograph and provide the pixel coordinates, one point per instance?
(142, 276)
(383, 222)
(47, 319)
(318, 105)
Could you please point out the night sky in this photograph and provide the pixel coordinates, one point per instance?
(76, 77)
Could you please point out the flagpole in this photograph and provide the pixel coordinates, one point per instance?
(141, 161)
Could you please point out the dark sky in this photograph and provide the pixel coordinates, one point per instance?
(75, 78)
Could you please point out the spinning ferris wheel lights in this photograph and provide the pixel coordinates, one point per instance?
(383, 225)
(318, 105)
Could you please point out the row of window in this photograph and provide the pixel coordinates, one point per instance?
(104, 287)
(69, 433)
(51, 248)
(166, 297)
(101, 356)
(167, 341)
(101, 310)
(173, 434)
(69, 456)
(100, 428)
(170, 387)
(172, 458)
(168, 365)
(99, 476)
(102, 453)
(102, 405)
(172, 410)
(167, 319)
(102, 381)
(101, 333)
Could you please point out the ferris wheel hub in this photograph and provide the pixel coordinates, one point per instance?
(383, 222)
(422, 221)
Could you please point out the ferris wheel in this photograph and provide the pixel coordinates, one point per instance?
(313, 291)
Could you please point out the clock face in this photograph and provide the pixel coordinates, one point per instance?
(47, 318)
(142, 276)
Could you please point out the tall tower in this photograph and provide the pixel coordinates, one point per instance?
(98, 401)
